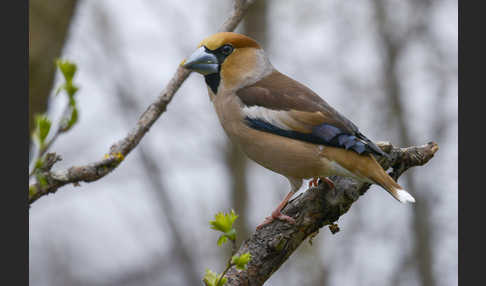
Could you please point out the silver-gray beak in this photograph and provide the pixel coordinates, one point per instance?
(202, 62)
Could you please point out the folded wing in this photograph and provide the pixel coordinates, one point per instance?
(282, 106)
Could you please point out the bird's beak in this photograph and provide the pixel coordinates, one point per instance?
(202, 62)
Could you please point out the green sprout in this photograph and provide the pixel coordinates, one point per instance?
(223, 222)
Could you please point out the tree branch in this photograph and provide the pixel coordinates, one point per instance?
(52, 181)
(317, 207)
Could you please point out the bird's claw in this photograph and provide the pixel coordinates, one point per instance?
(328, 182)
(315, 182)
(276, 215)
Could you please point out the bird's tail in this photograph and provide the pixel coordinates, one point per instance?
(380, 177)
(366, 167)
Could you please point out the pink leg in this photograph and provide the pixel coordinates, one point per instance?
(276, 214)
(314, 182)
(328, 182)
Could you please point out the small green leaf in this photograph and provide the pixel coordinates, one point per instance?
(32, 191)
(60, 88)
(211, 279)
(43, 125)
(222, 239)
(231, 234)
(74, 118)
(68, 122)
(71, 89)
(222, 281)
(39, 163)
(41, 179)
(223, 221)
(67, 68)
(241, 261)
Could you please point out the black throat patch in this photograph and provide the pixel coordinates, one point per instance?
(212, 80)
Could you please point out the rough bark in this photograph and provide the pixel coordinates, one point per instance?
(273, 244)
(52, 181)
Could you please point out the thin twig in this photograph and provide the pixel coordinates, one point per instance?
(96, 170)
(224, 272)
(41, 150)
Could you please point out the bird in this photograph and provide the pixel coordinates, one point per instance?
(282, 124)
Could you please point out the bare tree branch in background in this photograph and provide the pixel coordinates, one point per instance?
(255, 26)
(151, 169)
(97, 170)
(48, 26)
(237, 164)
(393, 46)
(273, 244)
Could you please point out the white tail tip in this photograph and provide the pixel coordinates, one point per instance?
(404, 197)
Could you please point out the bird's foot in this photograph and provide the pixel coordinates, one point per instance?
(329, 182)
(276, 215)
(314, 182)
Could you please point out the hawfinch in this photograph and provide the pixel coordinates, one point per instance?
(282, 124)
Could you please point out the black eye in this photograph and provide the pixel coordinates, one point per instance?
(226, 49)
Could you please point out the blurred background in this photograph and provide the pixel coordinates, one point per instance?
(390, 66)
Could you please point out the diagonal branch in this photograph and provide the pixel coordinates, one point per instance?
(273, 244)
(52, 181)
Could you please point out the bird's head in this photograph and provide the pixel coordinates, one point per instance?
(228, 59)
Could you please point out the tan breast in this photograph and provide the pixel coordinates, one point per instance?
(283, 155)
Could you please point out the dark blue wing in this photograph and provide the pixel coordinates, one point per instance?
(324, 134)
(315, 120)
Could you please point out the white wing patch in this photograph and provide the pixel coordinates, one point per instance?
(275, 117)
